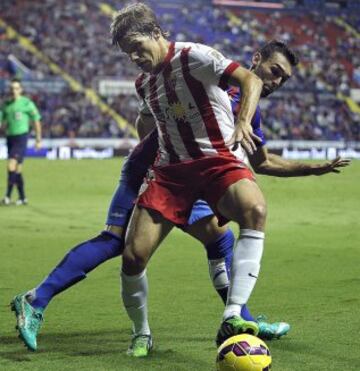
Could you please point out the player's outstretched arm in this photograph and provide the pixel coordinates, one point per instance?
(251, 87)
(270, 164)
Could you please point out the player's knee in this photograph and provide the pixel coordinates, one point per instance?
(134, 260)
(12, 165)
(255, 215)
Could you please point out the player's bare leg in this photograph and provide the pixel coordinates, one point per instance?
(146, 230)
(243, 203)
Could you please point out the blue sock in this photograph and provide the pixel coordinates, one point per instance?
(76, 264)
(222, 248)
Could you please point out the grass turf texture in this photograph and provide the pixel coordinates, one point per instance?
(310, 276)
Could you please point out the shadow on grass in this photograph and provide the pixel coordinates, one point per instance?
(72, 343)
(301, 349)
(107, 345)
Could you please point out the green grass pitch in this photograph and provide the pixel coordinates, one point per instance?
(310, 276)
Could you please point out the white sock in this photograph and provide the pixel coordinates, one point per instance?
(218, 273)
(134, 295)
(245, 268)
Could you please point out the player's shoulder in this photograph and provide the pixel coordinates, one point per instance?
(26, 101)
(198, 51)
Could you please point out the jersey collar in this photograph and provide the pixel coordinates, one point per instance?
(168, 57)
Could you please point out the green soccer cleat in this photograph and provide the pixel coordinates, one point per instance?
(28, 320)
(141, 346)
(270, 331)
(234, 326)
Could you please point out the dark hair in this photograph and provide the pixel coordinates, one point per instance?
(137, 18)
(15, 79)
(278, 46)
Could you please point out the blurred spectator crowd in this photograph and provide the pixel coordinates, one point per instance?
(75, 36)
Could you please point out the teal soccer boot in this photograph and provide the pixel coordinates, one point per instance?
(29, 320)
(270, 331)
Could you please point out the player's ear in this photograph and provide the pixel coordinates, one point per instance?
(156, 33)
(256, 59)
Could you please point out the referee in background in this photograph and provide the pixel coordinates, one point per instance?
(17, 113)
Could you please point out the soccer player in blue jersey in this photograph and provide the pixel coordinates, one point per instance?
(218, 241)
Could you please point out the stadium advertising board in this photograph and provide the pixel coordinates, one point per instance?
(96, 148)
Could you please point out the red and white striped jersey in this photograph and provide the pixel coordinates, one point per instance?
(186, 96)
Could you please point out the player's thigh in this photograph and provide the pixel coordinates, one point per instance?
(146, 230)
(244, 203)
(19, 168)
(206, 230)
(12, 164)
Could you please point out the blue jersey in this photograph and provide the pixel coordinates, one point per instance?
(143, 156)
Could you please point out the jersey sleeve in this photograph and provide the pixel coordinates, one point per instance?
(209, 65)
(3, 119)
(34, 113)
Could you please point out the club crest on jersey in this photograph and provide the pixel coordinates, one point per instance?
(177, 110)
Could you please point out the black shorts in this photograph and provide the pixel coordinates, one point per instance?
(16, 145)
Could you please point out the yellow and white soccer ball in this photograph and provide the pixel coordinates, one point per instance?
(243, 353)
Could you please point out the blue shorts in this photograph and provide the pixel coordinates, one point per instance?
(16, 145)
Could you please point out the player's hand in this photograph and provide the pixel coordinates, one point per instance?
(243, 135)
(331, 166)
(38, 144)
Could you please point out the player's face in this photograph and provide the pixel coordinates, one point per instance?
(15, 89)
(143, 50)
(273, 72)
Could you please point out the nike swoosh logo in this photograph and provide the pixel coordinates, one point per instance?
(251, 275)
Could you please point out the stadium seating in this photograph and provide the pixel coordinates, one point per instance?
(74, 37)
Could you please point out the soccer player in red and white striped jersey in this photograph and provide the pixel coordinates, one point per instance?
(199, 156)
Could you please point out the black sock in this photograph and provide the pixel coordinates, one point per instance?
(12, 180)
(20, 186)
(223, 293)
